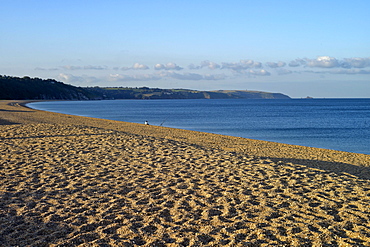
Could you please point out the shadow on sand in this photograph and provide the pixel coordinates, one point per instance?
(339, 168)
(50, 136)
(13, 110)
(6, 122)
(28, 229)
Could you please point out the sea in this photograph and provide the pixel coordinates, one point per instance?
(338, 124)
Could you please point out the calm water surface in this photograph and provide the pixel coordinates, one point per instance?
(340, 124)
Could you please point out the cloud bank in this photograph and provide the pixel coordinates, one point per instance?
(165, 75)
(331, 62)
(209, 70)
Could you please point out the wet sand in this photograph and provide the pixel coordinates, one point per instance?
(77, 181)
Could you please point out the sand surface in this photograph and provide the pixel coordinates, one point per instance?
(77, 181)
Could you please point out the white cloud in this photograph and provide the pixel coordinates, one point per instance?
(276, 65)
(331, 62)
(234, 66)
(214, 77)
(209, 64)
(139, 66)
(68, 78)
(242, 65)
(323, 62)
(71, 67)
(173, 66)
(95, 67)
(136, 66)
(248, 62)
(191, 76)
(139, 77)
(261, 72)
(165, 74)
(168, 66)
(159, 66)
(65, 77)
(297, 62)
(251, 64)
(244, 68)
(357, 62)
(205, 64)
(87, 67)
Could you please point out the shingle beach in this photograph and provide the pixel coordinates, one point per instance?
(77, 181)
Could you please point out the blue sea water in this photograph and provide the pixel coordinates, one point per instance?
(339, 124)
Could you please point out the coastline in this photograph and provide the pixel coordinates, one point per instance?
(78, 180)
(345, 126)
(228, 143)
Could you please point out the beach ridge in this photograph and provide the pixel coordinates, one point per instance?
(79, 181)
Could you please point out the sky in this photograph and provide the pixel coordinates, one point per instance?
(317, 48)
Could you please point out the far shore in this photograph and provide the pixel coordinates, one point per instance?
(78, 181)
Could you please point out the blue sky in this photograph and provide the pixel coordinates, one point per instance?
(300, 48)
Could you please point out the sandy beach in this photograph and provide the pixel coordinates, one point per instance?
(77, 181)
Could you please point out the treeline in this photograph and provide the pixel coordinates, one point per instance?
(158, 93)
(39, 89)
(27, 88)
(145, 93)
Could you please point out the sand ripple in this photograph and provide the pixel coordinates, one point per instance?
(71, 185)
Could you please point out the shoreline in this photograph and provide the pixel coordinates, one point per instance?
(228, 143)
(80, 181)
(301, 131)
(327, 159)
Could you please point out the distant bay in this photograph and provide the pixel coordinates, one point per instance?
(339, 124)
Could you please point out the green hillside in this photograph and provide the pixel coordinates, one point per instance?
(27, 88)
(36, 88)
(157, 93)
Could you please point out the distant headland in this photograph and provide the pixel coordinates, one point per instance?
(26, 88)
